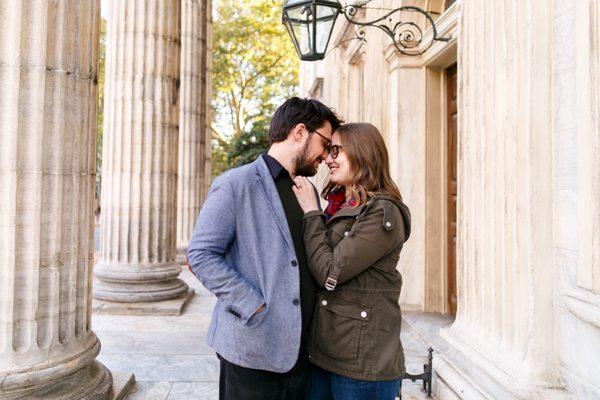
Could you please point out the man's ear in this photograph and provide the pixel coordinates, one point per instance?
(297, 132)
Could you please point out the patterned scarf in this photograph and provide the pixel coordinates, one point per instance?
(337, 200)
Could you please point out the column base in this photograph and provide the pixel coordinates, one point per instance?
(123, 382)
(92, 382)
(138, 283)
(164, 307)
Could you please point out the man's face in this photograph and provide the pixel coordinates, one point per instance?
(314, 151)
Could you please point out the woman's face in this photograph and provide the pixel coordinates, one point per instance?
(340, 166)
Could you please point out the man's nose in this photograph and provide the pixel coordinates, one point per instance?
(324, 154)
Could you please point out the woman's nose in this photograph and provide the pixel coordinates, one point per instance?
(329, 159)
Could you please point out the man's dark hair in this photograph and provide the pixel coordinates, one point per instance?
(294, 111)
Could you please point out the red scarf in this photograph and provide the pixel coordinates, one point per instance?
(337, 200)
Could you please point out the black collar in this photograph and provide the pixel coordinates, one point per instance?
(275, 167)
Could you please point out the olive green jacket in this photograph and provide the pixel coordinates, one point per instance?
(355, 331)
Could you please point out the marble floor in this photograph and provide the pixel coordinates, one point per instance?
(171, 360)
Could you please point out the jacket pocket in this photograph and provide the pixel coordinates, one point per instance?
(339, 328)
(257, 319)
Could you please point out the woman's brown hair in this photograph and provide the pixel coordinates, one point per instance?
(369, 163)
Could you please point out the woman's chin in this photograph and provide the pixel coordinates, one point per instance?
(333, 180)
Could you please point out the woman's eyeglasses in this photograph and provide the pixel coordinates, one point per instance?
(334, 150)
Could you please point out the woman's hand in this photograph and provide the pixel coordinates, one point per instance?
(305, 193)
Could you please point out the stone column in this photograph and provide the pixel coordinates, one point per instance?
(576, 123)
(208, 107)
(48, 98)
(194, 105)
(505, 320)
(137, 265)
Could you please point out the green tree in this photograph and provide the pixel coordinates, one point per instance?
(246, 146)
(255, 67)
(101, 70)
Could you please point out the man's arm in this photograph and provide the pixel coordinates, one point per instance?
(214, 232)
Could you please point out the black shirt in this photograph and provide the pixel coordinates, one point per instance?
(294, 215)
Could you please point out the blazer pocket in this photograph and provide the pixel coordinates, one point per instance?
(340, 326)
(257, 319)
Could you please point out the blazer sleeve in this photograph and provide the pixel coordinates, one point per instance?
(213, 233)
(361, 248)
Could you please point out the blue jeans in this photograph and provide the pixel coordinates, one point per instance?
(329, 386)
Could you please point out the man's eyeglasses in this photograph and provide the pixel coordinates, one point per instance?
(327, 144)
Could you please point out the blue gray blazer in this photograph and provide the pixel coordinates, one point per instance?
(242, 251)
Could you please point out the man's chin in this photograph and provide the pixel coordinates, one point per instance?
(309, 172)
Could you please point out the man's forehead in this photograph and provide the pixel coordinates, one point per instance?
(326, 129)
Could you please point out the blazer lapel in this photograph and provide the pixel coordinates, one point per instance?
(267, 185)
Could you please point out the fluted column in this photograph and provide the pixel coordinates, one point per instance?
(194, 106)
(139, 187)
(505, 322)
(48, 98)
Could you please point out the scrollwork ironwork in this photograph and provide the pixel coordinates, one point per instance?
(408, 37)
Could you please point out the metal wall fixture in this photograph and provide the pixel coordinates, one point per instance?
(311, 22)
(426, 376)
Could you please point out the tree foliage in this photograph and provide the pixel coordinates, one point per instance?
(255, 67)
(246, 146)
(101, 73)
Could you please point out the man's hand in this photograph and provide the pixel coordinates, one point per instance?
(259, 309)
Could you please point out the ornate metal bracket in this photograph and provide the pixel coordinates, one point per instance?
(425, 376)
(408, 37)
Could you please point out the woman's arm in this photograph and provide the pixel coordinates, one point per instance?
(367, 241)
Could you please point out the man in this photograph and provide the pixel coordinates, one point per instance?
(248, 250)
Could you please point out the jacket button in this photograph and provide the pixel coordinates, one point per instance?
(324, 302)
(294, 263)
(346, 233)
(363, 314)
(388, 224)
(296, 302)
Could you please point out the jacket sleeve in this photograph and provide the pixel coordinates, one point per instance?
(366, 243)
(214, 232)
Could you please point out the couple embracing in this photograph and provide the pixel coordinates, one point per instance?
(307, 300)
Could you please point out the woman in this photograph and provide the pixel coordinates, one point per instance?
(353, 249)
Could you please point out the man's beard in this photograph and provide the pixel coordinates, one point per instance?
(304, 165)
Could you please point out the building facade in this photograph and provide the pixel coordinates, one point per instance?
(494, 140)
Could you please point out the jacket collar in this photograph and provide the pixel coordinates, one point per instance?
(275, 167)
(346, 212)
(267, 184)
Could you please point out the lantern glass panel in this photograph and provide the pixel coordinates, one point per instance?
(326, 17)
(290, 3)
(300, 23)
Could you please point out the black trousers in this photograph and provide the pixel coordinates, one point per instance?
(239, 383)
